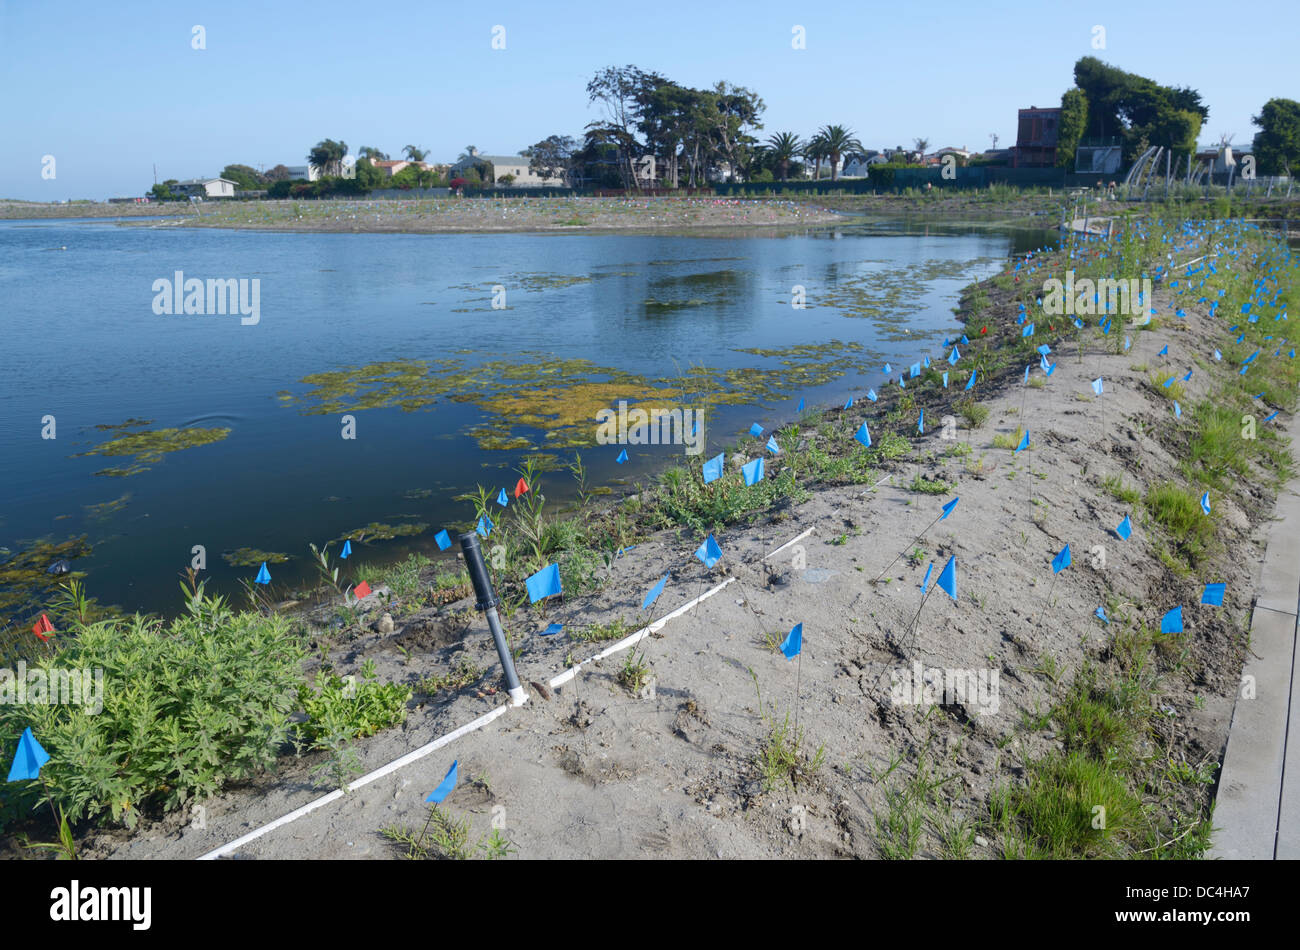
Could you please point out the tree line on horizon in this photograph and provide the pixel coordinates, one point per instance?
(697, 136)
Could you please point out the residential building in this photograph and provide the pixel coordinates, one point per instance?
(303, 172)
(1037, 133)
(856, 166)
(502, 165)
(207, 187)
(963, 153)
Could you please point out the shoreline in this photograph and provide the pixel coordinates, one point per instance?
(851, 642)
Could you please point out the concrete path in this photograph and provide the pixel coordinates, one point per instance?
(1258, 810)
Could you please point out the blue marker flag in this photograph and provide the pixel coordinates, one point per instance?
(971, 382)
(502, 500)
(443, 539)
(756, 430)
(964, 340)
(753, 472)
(920, 424)
(1213, 594)
(1097, 386)
(1024, 443)
(954, 356)
(713, 468)
(263, 575)
(445, 787)
(925, 581)
(948, 578)
(772, 446)
(1178, 410)
(544, 583)
(1028, 330)
(863, 436)
(945, 379)
(849, 403)
(1272, 416)
(1172, 622)
(1061, 561)
(347, 549)
(1124, 528)
(792, 645)
(1205, 503)
(888, 369)
(552, 629)
(871, 394)
(622, 457)
(1170, 381)
(916, 370)
(1164, 350)
(800, 409)
(1101, 615)
(709, 552)
(1044, 350)
(947, 509)
(484, 526)
(655, 591)
(1027, 369)
(28, 758)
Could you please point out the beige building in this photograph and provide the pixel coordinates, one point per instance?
(502, 165)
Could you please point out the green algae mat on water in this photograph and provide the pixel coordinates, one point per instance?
(149, 445)
(560, 398)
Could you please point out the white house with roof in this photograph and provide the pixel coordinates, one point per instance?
(207, 187)
(502, 165)
(855, 166)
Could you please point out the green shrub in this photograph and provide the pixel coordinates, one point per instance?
(187, 706)
(347, 709)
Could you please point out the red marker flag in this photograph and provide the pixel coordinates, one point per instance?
(43, 626)
(521, 486)
(984, 329)
(362, 590)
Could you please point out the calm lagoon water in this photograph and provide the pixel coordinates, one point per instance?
(82, 343)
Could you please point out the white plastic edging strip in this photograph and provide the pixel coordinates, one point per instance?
(380, 772)
(797, 538)
(634, 638)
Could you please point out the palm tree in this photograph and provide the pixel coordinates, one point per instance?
(414, 153)
(783, 147)
(327, 156)
(815, 150)
(838, 140)
(372, 153)
(921, 146)
(470, 152)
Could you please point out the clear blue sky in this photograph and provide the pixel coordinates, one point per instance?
(109, 89)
